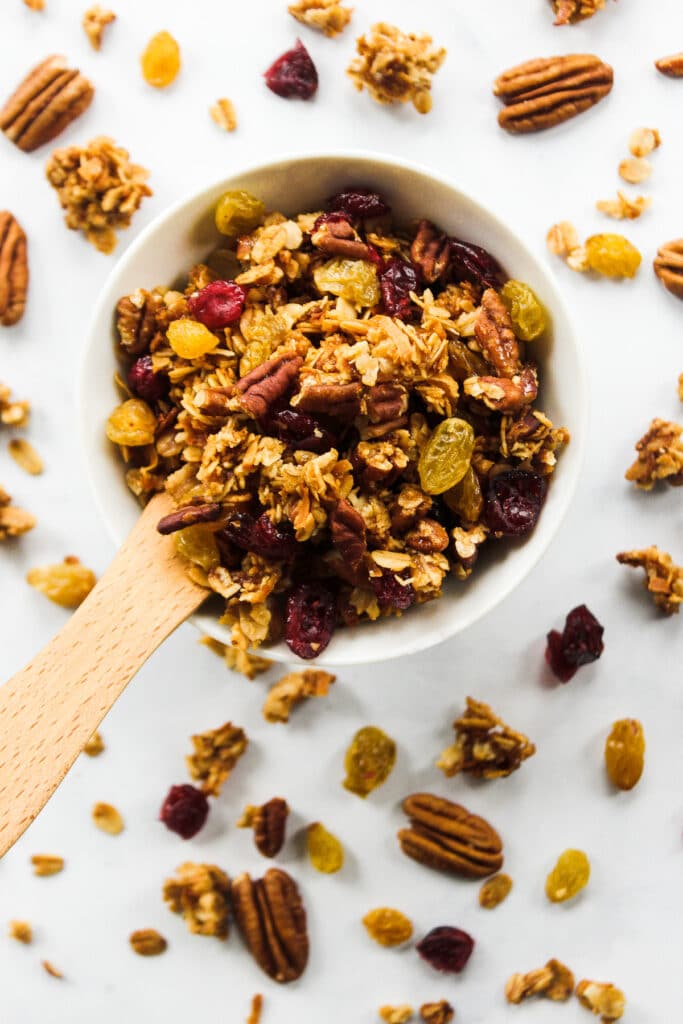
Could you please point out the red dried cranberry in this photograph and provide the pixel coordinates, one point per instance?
(184, 810)
(239, 529)
(310, 618)
(476, 264)
(446, 949)
(293, 74)
(514, 502)
(330, 218)
(261, 535)
(579, 643)
(144, 382)
(358, 203)
(390, 592)
(218, 304)
(300, 431)
(397, 280)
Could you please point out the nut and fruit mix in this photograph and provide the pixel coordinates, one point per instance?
(343, 411)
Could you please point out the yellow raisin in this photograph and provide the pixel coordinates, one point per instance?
(325, 851)
(526, 312)
(133, 423)
(387, 926)
(237, 212)
(369, 760)
(612, 255)
(189, 339)
(625, 753)
(569, 876)
(353, 280)
(466, 498)
(67, 584)
(255, 353)
(446, 457)
(494, 891)
(198, 545)
(160, 60)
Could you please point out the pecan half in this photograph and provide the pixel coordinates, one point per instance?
(337, 237)
(427, 537)
(495, 335)
(445, 836)
(136, 323)
(671, 66)
(271, 919)
(668, 266)
(189, 515)
(501, 394)
(339, 400)
(268, 382)
(13, 270)
(50, 97)
(348, 533)
(386, 402)
(269, 822)
(549, 90)
(431, 251)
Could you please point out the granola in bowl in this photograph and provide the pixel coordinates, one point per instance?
(343, 410)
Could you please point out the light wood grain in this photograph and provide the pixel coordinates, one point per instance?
(50, 708)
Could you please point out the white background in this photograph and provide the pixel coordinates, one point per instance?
(626, 927)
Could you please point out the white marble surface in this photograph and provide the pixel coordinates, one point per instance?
(627, 925)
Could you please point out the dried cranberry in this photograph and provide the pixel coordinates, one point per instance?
(358, 203)
(218, 304)
(144, 382)
(391, 592)
(476, 264)
(397, 280)
(310, 619)
(184, 810)
(514, 502)
(293, 74)
(239, 529)
(261, 535)
(330, 218)
(446, 949)
(300, 431)
(579, 643)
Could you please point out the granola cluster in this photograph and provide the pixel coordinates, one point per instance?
(660, 456)
(396, 66)
(663, 578)
(484, 746)
(200, 893)
(13, 520)
(216, 752)
(340, 410)
(328, 16)
(13, 412)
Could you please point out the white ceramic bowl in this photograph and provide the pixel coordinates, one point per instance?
(186, 233)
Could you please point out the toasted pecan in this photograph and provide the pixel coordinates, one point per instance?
(271, 918)
(13, 270)
(446, 836)
(544, 92)
(671, 66)
(51, 96)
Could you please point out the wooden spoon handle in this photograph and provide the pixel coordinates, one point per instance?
(50, 709)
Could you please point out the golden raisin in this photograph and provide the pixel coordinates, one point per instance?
(526, 312)
(189, 339)
(325, 851)
(237, 212)
(160, 60)
(612, 255)
(466, 498)
(569, 876)
(494, 891)
(446, 457)
(369, 760)
(353, 280)
(387, 926)
(133, 424)
(67, 584)
(625, 753)
(198, 545)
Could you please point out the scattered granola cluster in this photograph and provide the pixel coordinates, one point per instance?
(328, 16)
(396, 66)
(95, 20)
(13, 520)
(484, 746)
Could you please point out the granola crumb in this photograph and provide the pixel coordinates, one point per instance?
(562, 238)
(67, 584)
(643, 141)
(25, 456)
(635, 169)
(13, 412)
(624, 207)
(45, 864)
(396, 66)
(577, 259)
(94, 746)
(437, 1013)
(98, 187)
(663, 578)
(396, 1014)
(94, 22)
(660, 456)
(51, 969)
(554, 981)
(216, 752)
(484, 746)
(237, 660)
(602, 998)
(107, 819)
(148, 942)
(256, 1009)
(21, 931)
(293, 688)
(328, 16)
(13, 521)
(223, 113)
(199, 892)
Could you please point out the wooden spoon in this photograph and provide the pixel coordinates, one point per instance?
(51, 708)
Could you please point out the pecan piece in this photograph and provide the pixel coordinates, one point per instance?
(386, 402)
(272, 380)
(446, 836)
(49, 98)
(427, 537)
(136, 322)
(271, 919)
(335, 236)
(668, 266)
(671, 66)
(269, 823)
(431, 251)
(13, 270)
(437, 1013)
(501, 394)
(339, 400)
(189, 515)
(495, 335)
(542, 93)
(348, 533)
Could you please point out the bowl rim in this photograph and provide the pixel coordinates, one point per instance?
(435, 635)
